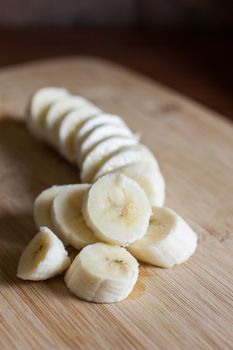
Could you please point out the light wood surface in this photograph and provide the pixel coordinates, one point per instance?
(186, 307)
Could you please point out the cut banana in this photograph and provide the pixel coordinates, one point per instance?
(67, 217)
(117, 209)
(97, 135)
(42, 206)
(57, 112)
(127, 155)
(102, 273)
(38, 107)
(69, 127)
(101, 119)
(149, 177)
(169, 240)
(101, 153)
(122, 207)
(43, 258)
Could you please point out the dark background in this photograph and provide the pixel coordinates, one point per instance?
(185, 44)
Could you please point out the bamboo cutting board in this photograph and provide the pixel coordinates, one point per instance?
(187, 307)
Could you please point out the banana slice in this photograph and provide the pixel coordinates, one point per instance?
(169, 240)
(42, 206)
(43, 258)
(101, 153)
(102, 273)
(116, 209)
(38, 107)
(67, 217)
(101, 119)
(127, 155)
(97, 135)
(69, 127)
(57, 112)
(149, 177)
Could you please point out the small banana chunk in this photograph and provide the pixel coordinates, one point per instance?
(43, 258)
(125, 156)
(42, 206)
(57, 112)
(99, 120)
(116, 209)
(101, 153)
(169, 240)
(38, 107)
(102, 273)
(67, 217)
(69, 127)
(149, 177)
(97, 135)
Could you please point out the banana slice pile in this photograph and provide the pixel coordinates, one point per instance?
(114, 217)
(97, 142)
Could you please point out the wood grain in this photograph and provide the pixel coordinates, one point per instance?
(186, 307)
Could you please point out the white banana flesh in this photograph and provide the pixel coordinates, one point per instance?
(38, 108)
(94, 139)
(42, 206)
(69, 127)
(97, 135)
(116, 209)
(102, 273)
(67, 217)
(43, 258)
(126, 156)
(149, 177)
(101, 153)
(99, 120)
(169, 240)
(57, 112)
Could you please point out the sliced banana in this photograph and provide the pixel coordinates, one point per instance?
(102, 273)
(97, 135)
(69, 127)
(43, 258)
(42, 206)
(99, 120)
(67, 217)
(57, 112)
(149, 177)
(169, 240)
(101, 153)
(38, 107)
(117, 209)
(127, 155)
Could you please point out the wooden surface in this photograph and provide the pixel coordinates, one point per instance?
(196, 63)
(186, 307)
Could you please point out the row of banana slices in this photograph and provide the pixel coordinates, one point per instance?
(115, 217)
(97, 142)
